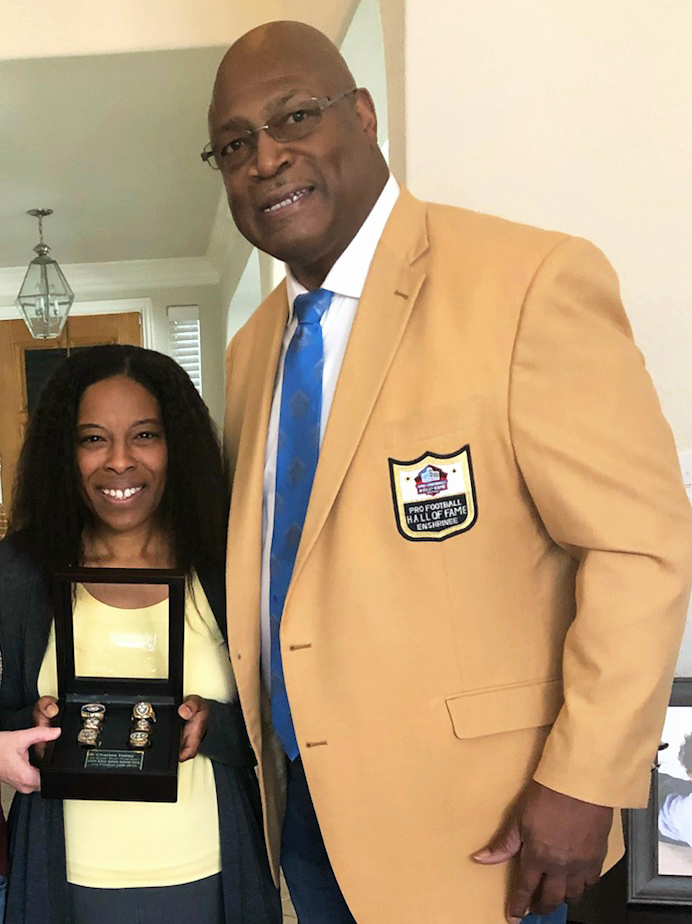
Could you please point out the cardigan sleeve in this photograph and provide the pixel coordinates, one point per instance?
(25, 620)
(226, 739)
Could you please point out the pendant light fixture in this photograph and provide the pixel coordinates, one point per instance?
(45, 297)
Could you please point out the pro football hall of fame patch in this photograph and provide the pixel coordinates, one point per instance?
(434, 495)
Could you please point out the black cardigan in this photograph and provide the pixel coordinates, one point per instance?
(38, 892)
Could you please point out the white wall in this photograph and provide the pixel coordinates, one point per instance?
(575, 116)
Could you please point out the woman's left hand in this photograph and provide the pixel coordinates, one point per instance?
(195, 710)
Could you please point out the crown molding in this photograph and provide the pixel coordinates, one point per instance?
(89, 280)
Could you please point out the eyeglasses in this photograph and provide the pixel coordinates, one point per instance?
(289, 125)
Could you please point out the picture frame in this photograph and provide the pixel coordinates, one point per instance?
(659, 837)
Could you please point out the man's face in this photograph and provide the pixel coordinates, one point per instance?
(301, 201)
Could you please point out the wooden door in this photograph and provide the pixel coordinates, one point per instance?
(17, 355)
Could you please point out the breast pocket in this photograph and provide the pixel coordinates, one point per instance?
(431, 474)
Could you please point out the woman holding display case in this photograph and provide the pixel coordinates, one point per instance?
(121, 468)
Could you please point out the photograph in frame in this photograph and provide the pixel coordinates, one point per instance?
(660, 836)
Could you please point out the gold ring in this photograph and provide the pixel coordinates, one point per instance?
(139, 740)
(89, 737)
(92, 721)
(143, 711)
(93, 709)
(143, 725)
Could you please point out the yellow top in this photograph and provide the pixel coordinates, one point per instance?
(134, 844)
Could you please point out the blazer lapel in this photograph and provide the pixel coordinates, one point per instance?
(395, 278)
(245, 521)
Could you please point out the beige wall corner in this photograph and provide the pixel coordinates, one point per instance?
(576, 117)
(393, 15)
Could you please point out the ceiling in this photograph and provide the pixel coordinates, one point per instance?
(110, 140)
(111, 143)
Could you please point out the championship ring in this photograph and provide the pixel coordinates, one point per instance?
(89, 737)
(143, 711)
(93, 709)
(92, 721)
(143, 725)
(139, 740)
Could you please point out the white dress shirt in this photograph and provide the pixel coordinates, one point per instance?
(346, 280)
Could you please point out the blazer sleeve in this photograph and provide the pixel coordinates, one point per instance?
(600, 464)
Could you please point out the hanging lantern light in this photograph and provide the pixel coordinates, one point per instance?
(45, 297)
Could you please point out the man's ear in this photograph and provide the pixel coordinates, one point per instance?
(365, 110)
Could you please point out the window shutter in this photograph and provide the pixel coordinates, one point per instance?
(184, 340)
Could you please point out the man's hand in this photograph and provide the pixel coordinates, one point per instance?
(561, 842)
(195, 711)
(45, 709)
(15, 768)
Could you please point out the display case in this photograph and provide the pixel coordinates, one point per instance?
(112, 656)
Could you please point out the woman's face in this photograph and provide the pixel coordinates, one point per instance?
(121, 453)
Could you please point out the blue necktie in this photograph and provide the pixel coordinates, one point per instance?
(296, 462)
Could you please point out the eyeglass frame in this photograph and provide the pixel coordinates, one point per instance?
(208, 153)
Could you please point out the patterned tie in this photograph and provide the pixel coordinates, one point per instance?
(296, 461)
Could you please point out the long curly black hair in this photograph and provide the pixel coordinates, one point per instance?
(48, 514)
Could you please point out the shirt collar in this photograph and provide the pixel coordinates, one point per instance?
(347, 276)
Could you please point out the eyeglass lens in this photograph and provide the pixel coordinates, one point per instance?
(291, 125)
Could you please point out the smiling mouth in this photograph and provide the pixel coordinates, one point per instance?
(289, 200)
(121, 494)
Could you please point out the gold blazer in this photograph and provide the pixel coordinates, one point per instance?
(438, 657)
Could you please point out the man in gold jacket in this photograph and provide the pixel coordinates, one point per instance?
(490, 580)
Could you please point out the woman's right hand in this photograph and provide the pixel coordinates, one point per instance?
(45, 709)
(15, 768)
